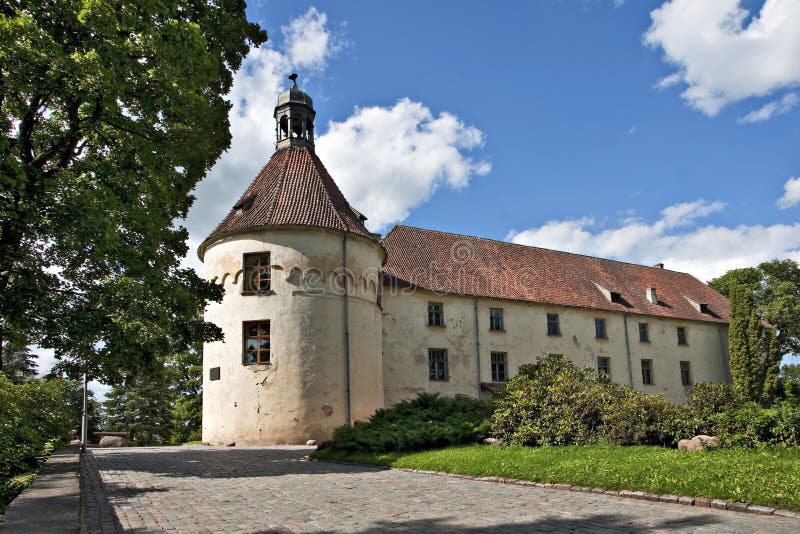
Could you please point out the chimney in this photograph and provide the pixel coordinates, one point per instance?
(652, 297)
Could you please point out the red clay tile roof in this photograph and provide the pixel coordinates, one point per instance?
(293, 188)
(455, 264)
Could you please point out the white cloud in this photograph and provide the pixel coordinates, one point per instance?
(675, 239)
(255, 90)
(791, 194)
(718, 58)
(771, 109)
(309, 43)
(388, 160)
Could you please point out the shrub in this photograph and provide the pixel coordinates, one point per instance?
(553, 402)
(427, 422)
(32, 417)
(751, 425)
(704, 401)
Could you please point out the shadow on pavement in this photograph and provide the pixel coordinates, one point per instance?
(593, 523)
(211, 462)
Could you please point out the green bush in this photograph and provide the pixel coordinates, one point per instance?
(33, 416)
(553, 402)
(751, 425)
(704, 402)
(427, 422)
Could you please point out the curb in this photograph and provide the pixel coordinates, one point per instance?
(700, 502)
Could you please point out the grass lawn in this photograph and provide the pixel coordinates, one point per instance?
(764, 476)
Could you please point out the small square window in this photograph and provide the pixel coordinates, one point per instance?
(604, 366)
(435, 314)
(686, 373)
(553, 328)
(499, 367)
(257, 274)
(647, 372)
(644, 335)
(256, 342)
(437, 365)
(682, 336)
(213, 373)
(495, 319)
(600, 329)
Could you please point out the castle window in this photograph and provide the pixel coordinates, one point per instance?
(644, 335)
(256, 342)
(647, 372)
(686, 373)
(435, 314)
(682, 336)
(437, 365)
(600, 329)
(499, 367)
(495, 319)
(553, 328)
(257, 274)
(604, 367)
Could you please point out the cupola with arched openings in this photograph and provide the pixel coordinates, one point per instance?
(294, 118)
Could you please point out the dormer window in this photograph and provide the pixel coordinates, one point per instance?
(612, 296)
(652, 296)
(257, 275)
(702, 307)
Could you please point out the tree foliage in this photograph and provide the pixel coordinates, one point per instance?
(110, 113)
(142, 407)
(765, 324)
(186, 370)
(19, 364)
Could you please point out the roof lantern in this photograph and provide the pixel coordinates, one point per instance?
(294, 118)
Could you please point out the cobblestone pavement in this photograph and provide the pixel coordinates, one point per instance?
(260, 489)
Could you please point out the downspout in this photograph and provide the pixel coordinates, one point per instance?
(346, 316)
(628, 349)
(477, 345)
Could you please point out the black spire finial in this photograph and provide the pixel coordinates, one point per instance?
(293, 77)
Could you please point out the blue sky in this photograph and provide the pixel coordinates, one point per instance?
(549, 123)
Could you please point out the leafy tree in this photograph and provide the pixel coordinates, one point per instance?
(745, 344)
(772, 291)
(790, 382)
(19, 364)
(110, 114)
(186, 369)
(73, 400)
(775, 287)
(142, 407)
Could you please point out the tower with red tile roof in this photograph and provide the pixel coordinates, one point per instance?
(302, 323)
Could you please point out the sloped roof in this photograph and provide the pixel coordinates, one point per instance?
(456, 264)
(293, 188)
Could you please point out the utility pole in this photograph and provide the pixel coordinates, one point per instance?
(85, 415)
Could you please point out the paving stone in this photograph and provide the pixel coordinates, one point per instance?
(702, 502)
(269, 489)
(761, 510)
(738, 506)
(668, 498)
(719, 504)
(686, 501)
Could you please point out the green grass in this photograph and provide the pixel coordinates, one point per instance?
(193, 443)
(769, 477)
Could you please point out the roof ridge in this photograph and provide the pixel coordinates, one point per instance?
(281, 180)
(658, 269)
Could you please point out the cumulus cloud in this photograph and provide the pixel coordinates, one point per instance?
(309, 42)
(388, 160)
(791, 194)
(771, 109)
(675, 239)
(721, 59)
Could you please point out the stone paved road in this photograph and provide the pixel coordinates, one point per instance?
(259, 489)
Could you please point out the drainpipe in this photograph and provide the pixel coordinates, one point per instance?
(346, 314)
(628, 350)
(477, 345)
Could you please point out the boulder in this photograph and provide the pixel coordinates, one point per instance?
(113, 441)
(492, 441)
(311, 443)
(698, 443)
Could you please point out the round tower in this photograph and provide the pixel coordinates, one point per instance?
(301, 315)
